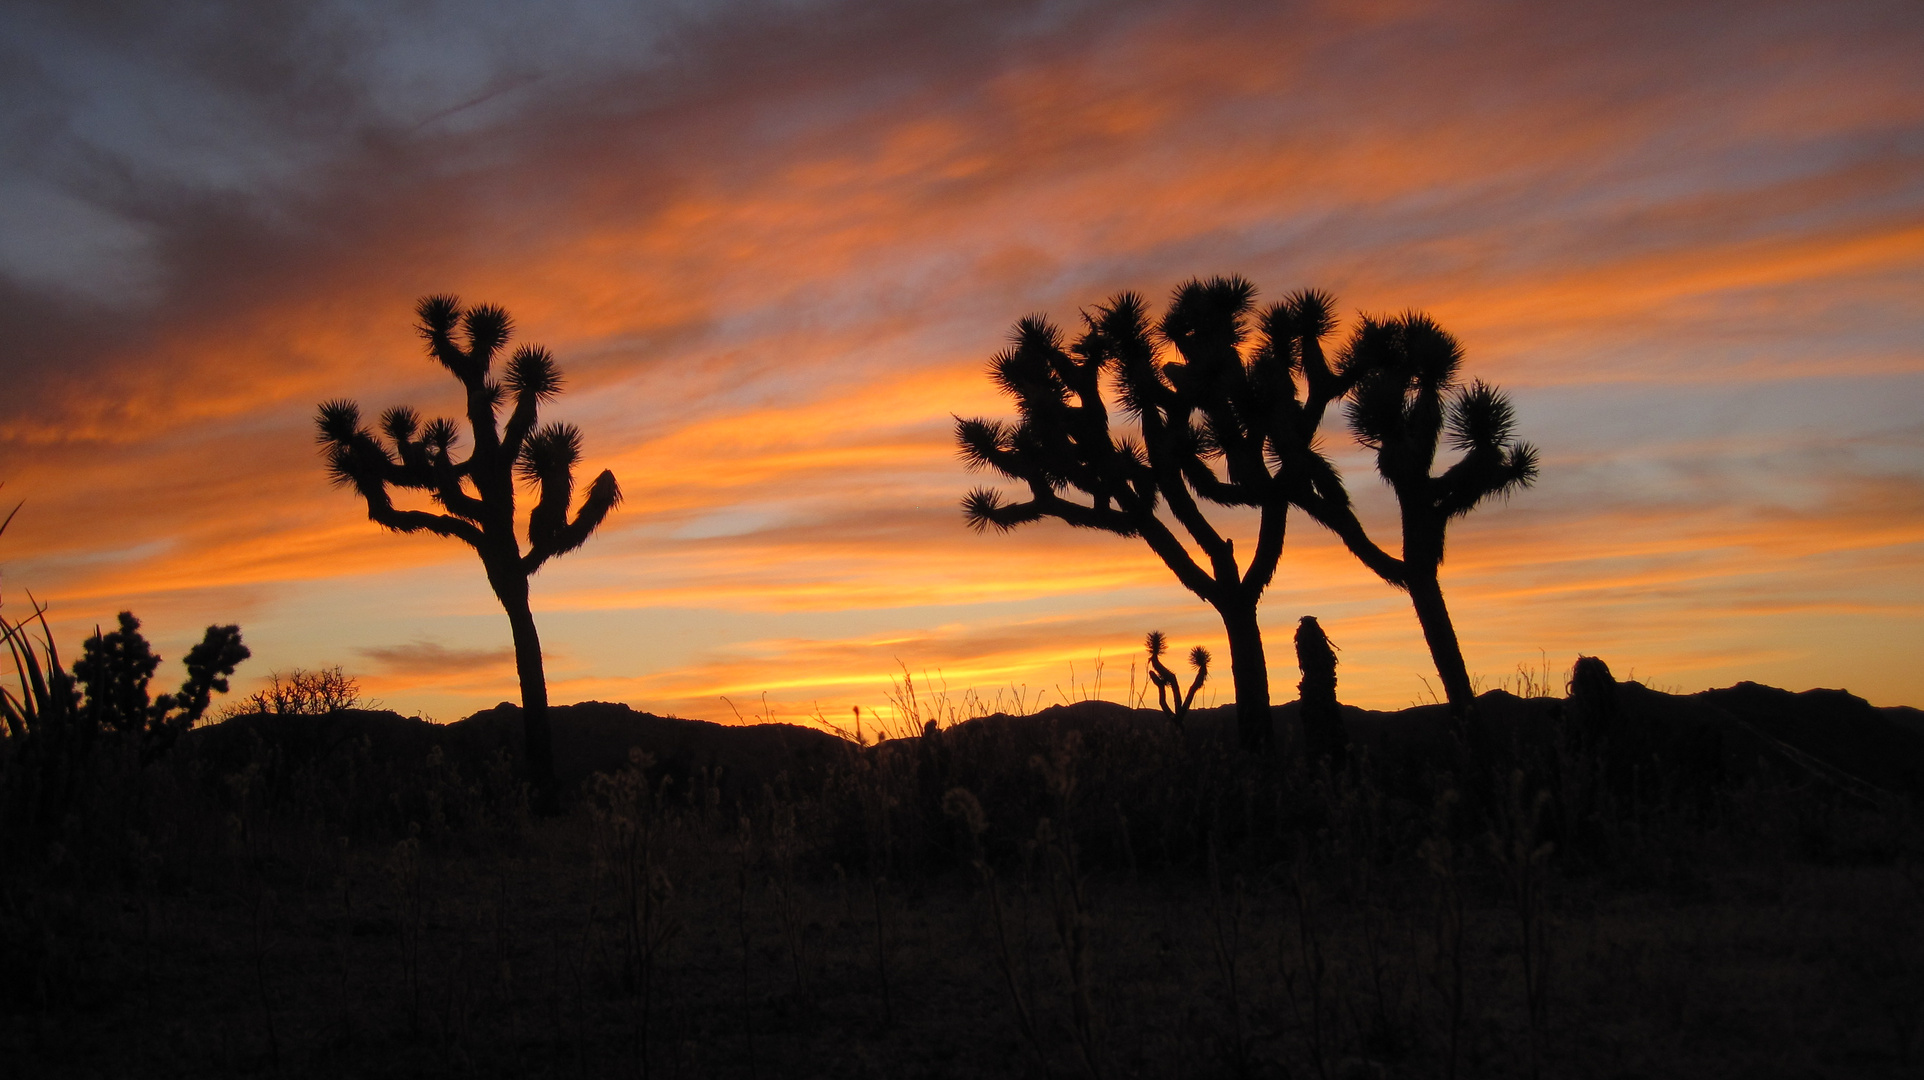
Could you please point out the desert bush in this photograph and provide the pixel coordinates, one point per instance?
(301, 692)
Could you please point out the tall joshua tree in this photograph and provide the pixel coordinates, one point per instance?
(477, 493)
(1405, 402)
(1224, 421)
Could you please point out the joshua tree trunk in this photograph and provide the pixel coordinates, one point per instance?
(538, 741)
(1426, 595)
(1249, 670)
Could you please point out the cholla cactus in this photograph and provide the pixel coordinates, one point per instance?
(1405, 400)
(421, 457)
(1230, 419)
(1168, 686)
(114, 669)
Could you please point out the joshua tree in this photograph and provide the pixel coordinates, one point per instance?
(1225, 422)
(1404, 400)
(1167, 685)
(1322, 716)
(477, 492)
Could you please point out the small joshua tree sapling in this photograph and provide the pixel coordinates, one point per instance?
(1167, 684)
(477, 492)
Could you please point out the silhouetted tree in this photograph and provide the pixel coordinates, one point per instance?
(1167, 685)
(1322, 715)
(477, 492)
(1404, 403)
(1228, 425)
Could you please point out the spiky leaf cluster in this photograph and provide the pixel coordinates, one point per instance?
(1407, 403)
(1226, 400)
(476, 491)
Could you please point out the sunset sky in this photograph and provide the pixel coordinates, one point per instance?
(774, 244)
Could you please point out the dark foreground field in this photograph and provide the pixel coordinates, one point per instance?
(1722, 885)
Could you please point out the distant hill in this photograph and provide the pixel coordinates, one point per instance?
(1835, 733)
(1851, 739)
(589, 737)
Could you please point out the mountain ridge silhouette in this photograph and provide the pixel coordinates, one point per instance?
(1830, 730)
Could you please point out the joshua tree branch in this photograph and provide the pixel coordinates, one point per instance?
(1212, 487)
(483, 396)
(1199, 659)
(603, 495)
(460, 504)
(1269, 548)
(1481, 474)
(1175, 492)
(549, 517)
(381, 511)
(1177, 558)
(1340, 518)
(447, 491)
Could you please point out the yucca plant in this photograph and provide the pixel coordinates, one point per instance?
(45, 744)
(477, 493)
(1230, 420)
(1405, 403)
(46, 701)
(46, 698)
(44, 706)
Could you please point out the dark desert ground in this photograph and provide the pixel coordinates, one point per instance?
(1084, 891)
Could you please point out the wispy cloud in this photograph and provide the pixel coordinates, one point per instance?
(432, 658)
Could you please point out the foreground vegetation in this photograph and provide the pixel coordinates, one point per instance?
(1083, 892)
